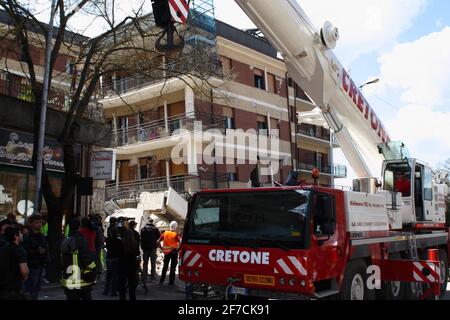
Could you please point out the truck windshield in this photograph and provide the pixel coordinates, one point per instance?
(250, 219)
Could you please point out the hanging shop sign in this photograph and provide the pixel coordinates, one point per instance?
(16, 149)
(103, 165)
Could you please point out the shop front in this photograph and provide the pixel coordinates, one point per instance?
(17, 176)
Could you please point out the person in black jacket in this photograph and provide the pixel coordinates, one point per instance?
(13, 265)
(113, 248)
(129, 259)
(78, 265)
(149, 244)
(35, 243)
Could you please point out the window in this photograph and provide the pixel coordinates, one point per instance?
(259, 79)
(261, 125)
(324, 214)
(232, 176)
(290, 82)
(123, 130)
(397, 179)
(144, 171)
(229, 123)
(428, 185)
(269, 219)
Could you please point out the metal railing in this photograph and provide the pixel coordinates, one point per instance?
(311, 132)
(162, 128)
(158, 75)
(19, 87)
(181, 183)
(311, 167)
(340, 171)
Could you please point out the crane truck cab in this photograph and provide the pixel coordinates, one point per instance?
(423, 198)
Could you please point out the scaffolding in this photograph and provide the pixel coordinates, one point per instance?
(202, 31)
(203, 16)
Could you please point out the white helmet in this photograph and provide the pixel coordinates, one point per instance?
(173, 226)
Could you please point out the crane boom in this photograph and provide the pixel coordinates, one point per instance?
(310, 61)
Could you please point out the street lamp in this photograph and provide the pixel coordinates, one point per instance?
(370, 82)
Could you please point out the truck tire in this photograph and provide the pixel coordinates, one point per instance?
(410, 287)
(393, 290)
(444, 271)
(354, 286)
(411, 291)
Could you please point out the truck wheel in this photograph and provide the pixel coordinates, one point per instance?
(394, 290)
(411, 292)
(354, 286)
(444, 271)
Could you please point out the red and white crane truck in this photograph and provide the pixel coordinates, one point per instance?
(299, 242)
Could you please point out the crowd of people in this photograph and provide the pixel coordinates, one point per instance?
(24, 256)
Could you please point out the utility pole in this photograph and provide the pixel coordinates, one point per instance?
(39, 161)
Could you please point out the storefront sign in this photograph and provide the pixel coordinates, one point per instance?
(103, 165)
(16, 148)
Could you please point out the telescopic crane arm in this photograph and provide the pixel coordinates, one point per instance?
(310, 61)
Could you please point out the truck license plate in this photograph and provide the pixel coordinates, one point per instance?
(238, 290)
(260, 280)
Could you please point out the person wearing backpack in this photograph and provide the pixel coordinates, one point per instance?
(78, 261)
(35, 243)
(13, 265)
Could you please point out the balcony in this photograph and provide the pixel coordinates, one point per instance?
(131, 190)
(18, 87)
(314, 132)
(160, 75)
(324, 169)
(17, 111)
(164, 128)
(340, 171)
(15, 86)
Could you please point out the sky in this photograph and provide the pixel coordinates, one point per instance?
(404, 43)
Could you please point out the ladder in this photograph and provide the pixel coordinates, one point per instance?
(413, 254)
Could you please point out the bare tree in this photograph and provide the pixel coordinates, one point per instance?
(131, 36)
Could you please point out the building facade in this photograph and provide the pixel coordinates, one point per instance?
(17, 123)
(254, 93)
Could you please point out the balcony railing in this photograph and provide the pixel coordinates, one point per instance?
(158, 75)
(15, 86)
(180, 183)
(166, 127)
(314, 133)
(340, 171)
(310, 167)
(19, 87)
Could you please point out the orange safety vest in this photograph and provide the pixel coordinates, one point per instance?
(170, 241)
